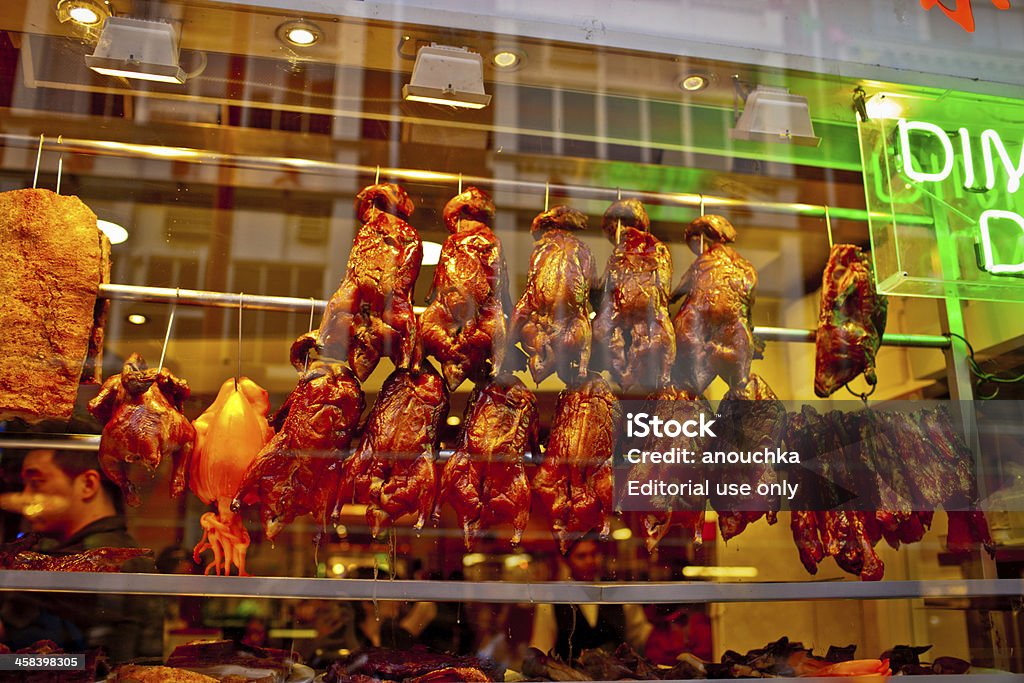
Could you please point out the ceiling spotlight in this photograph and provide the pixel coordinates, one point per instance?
(136, 48)
(114, 232)
(299, 33)
(431, 253)
(881, 107)
(507, 60)
(83, 12)
(774, 115)
(447, 75)
(694, 82)
(454, 420)
(137, 319)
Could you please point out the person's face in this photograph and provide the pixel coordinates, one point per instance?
(585, 561)
(39, 475)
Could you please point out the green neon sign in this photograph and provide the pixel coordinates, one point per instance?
(945, 159)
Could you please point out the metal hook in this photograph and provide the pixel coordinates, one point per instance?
(170, 324)
(376, 178)
(312, 309)
(238, 369)
(60, 162)
(460, 183)
(618, 194)
(618, 231)
(828, 226)
(39, 157)
(862, 396)
(547, 193)
(701, 204)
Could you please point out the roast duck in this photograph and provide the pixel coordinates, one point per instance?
(485, 479)
(141, 410)
(714, 333)
(851, 321)
(552, 319)
(687, 511)
(371, 314)
(229, 436)
(574, 483)
(392, 469)
(750, 418)
(297, 472)
(464, 324)
(633, 330)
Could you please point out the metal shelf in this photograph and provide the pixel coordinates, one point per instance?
(499, 591)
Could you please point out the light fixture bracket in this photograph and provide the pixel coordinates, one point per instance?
(447, 75)
(137, 48)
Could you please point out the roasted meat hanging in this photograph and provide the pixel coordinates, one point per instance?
(297, 473)
(141, 410)
(574, 483)
(552, 319)
(851, 321)
(686, 511)
(485, 478)
(392, 469)
(714, 333)
(633, 330)
(371, 314)
(464, 325)
(753, 419)
(229, 436)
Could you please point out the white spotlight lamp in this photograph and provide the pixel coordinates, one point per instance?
(136, 48)
(447, 75)
(776, 115)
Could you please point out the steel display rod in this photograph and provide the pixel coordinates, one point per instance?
(195, 297)
(689, 199)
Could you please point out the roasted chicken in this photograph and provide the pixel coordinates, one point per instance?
(574, 483)
(552, 319)
(229, 436)
(297, 472)
(392, 469)
(679, 511)
(141, 410)
(464, 324)
(851, 321)
(633, 330)
(752, 418)
(371, 314)
(714, 333)
(485, 479)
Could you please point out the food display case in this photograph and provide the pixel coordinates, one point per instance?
(244, 158)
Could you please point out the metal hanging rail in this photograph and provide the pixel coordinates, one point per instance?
(195, 297)
(687, 199)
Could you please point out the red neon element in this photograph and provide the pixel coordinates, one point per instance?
(963, 14)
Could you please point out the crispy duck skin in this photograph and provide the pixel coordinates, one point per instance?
(371, 314)
(756, 420)
(485, 479)
(851, 320)
(141, 410)
(297, 472)
(392, 469)
(92, 560)
(574, 483)
(633, 328)
(464, 326)
(382, 664)
(687, 512)
(713, 329)
(552, 319)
